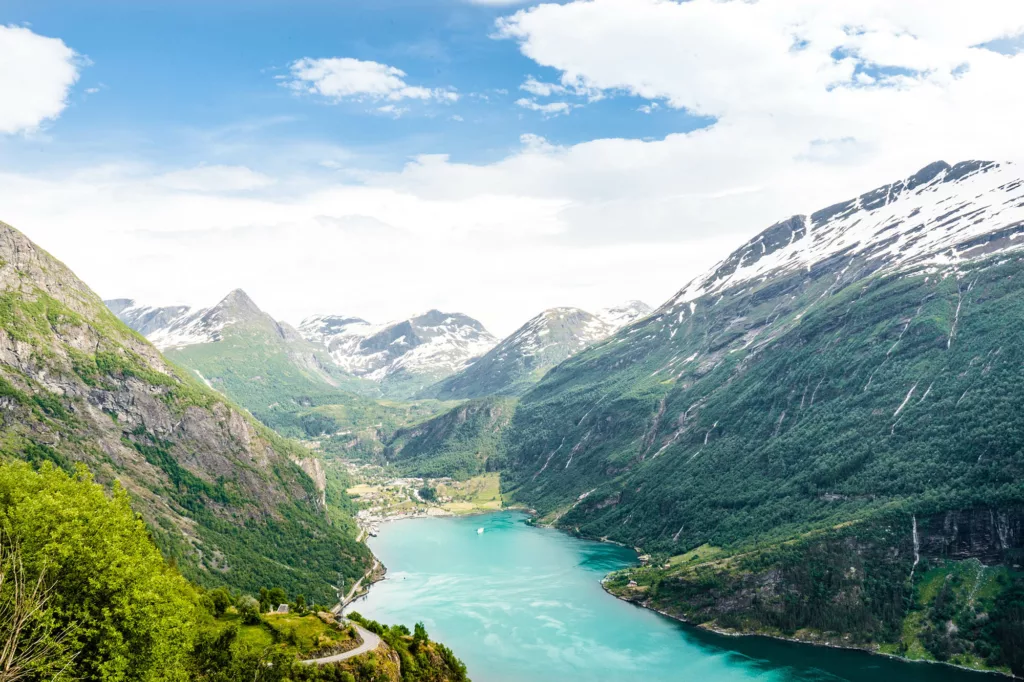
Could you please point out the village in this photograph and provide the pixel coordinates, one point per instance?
(381, 496)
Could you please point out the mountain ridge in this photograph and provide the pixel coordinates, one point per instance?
(403, 356)
(521, 359)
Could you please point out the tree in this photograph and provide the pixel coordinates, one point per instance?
(128, 614)
(300, 604)
(249, 610)
(221, 600)
(419, 633)
(30, 645)
(277, 596)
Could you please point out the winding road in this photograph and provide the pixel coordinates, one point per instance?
(370, 642)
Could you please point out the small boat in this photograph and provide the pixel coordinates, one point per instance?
(479, 531)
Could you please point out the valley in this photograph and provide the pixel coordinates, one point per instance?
(800, 412)
(819, 440)
(511, 340)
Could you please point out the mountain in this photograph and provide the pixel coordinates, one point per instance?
(816, 434)
(403, 357)
(521, 359)
(236, 348)
(626, 313)
(462, 442)
(223, 497)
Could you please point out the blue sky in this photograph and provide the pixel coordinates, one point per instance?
(383, 157)
(170, 75)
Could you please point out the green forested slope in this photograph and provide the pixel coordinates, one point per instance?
(465, 441)
(805, 435)
(222, 495)
(869, 398)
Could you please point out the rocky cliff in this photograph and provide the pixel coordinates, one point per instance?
(221, 494)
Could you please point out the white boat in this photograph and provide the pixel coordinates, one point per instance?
(479, 531)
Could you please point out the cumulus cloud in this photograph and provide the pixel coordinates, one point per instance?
(340, 78)
(36, 74)
(313, 250)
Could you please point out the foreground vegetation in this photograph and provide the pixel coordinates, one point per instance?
(85, 594)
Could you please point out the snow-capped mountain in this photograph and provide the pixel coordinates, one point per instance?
(180, 326)
(936, 218)
(244, 352)
(626, 313)
(522, 358)
(176, 327)
(406, 355)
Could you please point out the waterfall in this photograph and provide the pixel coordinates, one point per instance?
(917, 548)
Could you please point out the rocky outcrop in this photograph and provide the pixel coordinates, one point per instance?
(990, 535)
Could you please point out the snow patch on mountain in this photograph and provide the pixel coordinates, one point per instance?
(938, 217)
(621, 315)
(433, 344)
(173, 327)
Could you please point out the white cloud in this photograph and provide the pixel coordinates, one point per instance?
(340, 78)
(36, 74)
(392, 110)
(548, 108)
(794, 129)
(125, 233)
(648, 108)
(569, 86)
(498, 3)
(214, 179)
(541, 89)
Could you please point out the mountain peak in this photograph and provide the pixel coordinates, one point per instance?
(932, 218)
(625, 313)
(416, 351)
(237, 299)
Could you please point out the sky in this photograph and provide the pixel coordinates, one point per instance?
(379, 158)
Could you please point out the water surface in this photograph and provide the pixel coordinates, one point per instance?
(525, 604)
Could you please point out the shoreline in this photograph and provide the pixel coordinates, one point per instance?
(677, 619)
(796, 640)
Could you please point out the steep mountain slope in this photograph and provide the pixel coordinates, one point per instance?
(521, 359)
(859, 365)
(463, 442)
(406, 356)
(221, 494)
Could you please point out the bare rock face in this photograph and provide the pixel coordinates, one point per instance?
(986, 534)
(314, 468)
(78, 386)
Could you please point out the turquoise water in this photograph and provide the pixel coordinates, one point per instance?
(525, 604)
